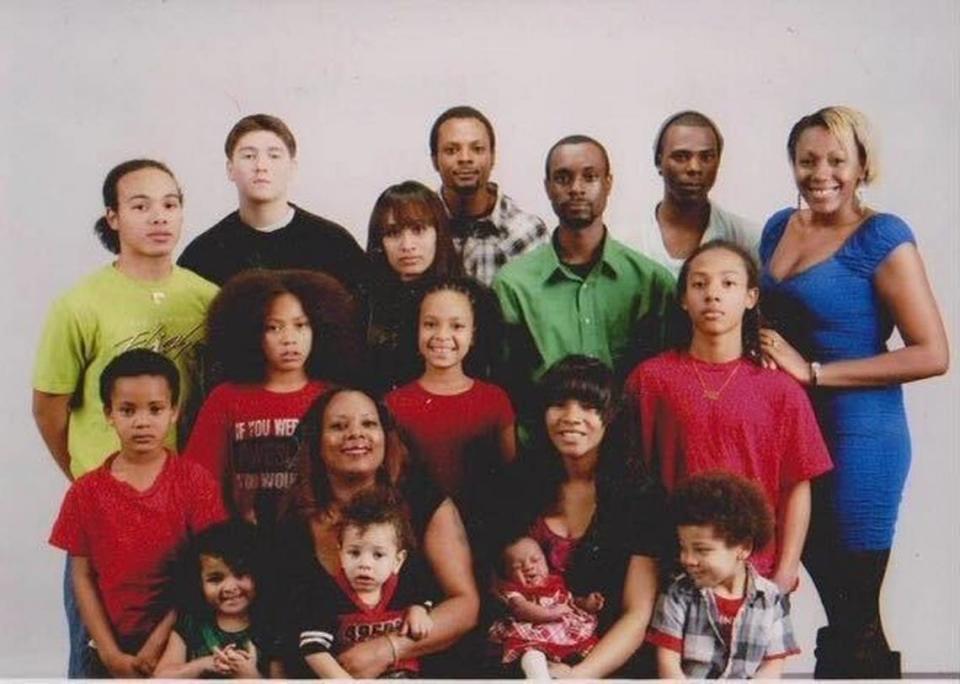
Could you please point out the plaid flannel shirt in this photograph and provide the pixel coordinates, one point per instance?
(686, 620)
(488, 242)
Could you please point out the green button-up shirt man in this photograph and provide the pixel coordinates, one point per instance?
(584, 293)
(616, 312)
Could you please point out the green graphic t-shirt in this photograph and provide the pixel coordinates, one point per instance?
(105, 314)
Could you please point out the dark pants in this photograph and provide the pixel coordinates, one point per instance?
(79, 660)
(853, 644)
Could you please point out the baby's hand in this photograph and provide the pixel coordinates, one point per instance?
(417, 623)
(561, 610)
(592, 602)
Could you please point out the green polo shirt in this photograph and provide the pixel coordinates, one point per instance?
(620, 313)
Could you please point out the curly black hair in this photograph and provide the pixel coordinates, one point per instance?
(235, 325)
(736, 508)
(236, 543)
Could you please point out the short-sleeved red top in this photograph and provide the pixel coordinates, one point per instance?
(130, 536)
(761, 426)
(443, 427)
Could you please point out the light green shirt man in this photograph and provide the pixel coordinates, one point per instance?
(105, 314)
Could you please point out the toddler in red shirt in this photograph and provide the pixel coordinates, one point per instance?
(122, 523)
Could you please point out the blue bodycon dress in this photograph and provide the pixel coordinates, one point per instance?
(830, 312)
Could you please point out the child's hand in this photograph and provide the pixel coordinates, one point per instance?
(592, 602)
(222, 664)
(148, 656)
(561, 610)
(417, 623)
(244, 662)
(786, 580)
(559, 670)
(121, 665)
(209, 665)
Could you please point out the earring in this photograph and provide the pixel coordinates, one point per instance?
(799, 197)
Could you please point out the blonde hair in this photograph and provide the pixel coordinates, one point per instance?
(845, 123)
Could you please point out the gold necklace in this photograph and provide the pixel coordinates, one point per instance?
(713, 394)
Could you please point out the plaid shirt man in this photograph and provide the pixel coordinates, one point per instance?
(686, 621)
(487, 243)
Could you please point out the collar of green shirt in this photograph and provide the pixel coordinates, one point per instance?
(611, 260)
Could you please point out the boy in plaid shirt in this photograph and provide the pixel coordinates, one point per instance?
(721, 619)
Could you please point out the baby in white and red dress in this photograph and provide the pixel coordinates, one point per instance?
(545, 621)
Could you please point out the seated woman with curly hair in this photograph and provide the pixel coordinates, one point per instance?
(348, 446)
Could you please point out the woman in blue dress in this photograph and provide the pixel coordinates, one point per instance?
(836, 278)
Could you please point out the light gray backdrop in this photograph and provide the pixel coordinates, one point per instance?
(84, 85)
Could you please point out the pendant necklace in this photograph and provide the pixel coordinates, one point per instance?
(713, 394)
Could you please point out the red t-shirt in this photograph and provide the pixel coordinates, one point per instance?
(245, 430)
(130, 537)
(761, 426)
(727, 610)
(444, 427)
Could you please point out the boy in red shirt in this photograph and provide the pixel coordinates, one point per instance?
(122, 522)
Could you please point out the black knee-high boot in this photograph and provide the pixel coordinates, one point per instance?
(830, 661)
(853, 645)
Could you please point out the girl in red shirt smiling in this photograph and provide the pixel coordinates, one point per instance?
(447, 413)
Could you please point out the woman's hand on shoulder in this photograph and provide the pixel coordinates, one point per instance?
(902, 285)
(778, 353)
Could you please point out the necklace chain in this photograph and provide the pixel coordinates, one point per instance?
(713, 394)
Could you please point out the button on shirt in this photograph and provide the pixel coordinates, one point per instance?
(686, 620)
(486, 243)
(619, 312)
